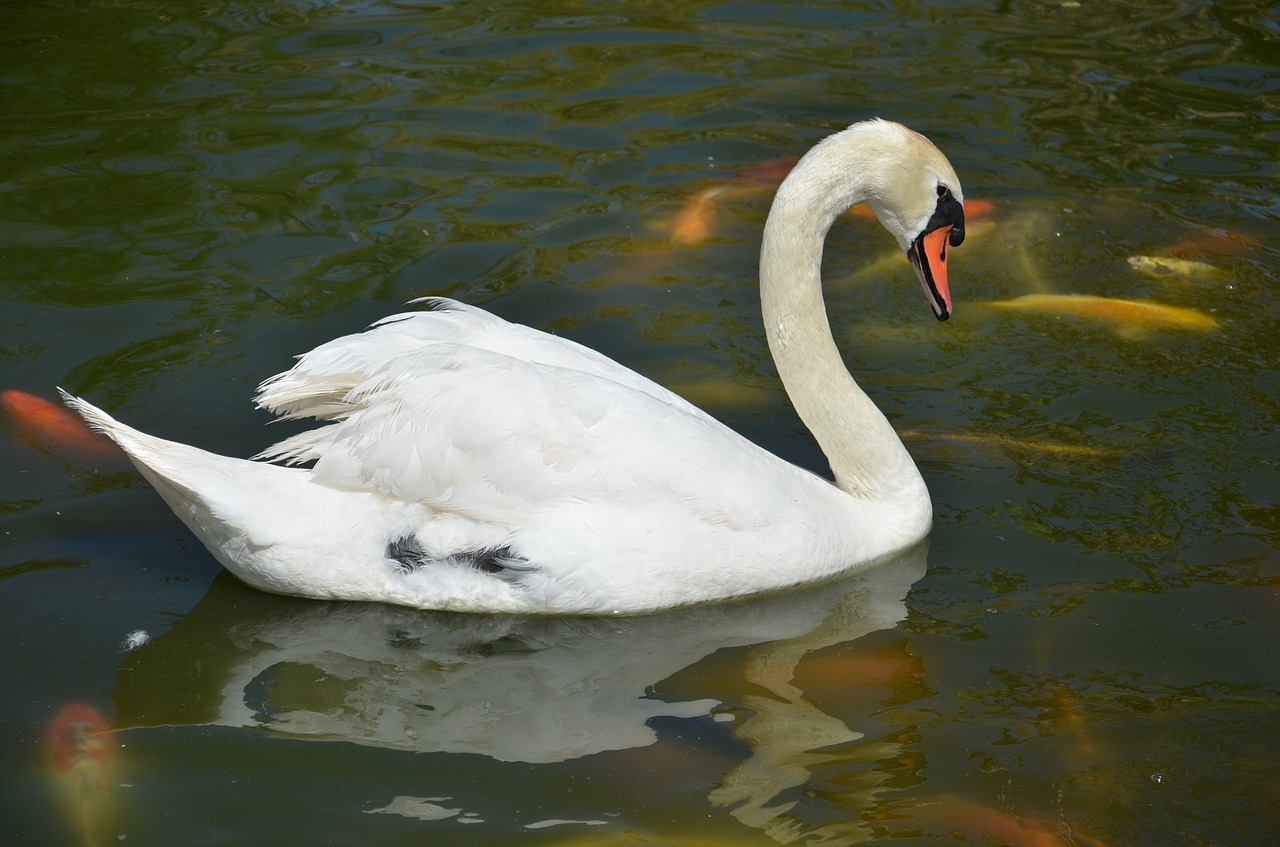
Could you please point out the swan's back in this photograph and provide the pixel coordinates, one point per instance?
(317, 385)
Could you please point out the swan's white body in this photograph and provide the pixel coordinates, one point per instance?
(477, 465)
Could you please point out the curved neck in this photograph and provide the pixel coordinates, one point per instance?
(865, 453)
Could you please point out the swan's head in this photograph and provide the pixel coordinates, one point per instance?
(917, 196)
(907, 182)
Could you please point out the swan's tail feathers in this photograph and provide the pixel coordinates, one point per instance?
(138, 445)
(176, 471)
(212, 494)
(224, 501)
(170, 465)
(188, 478)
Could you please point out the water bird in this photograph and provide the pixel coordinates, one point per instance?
(473, 464)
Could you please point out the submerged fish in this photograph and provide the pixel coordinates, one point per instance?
(768, 171)
(1128, 317)
(948, 816)
(695, 220)
(693, 223)
(1216, 241)
(1170, 267)
(79, 750)
(54, 431)
(1015, 445)
(76, 740)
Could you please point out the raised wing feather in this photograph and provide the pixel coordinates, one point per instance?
(318, 384)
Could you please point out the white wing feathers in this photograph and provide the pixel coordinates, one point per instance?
(317, 385)
(466, 413)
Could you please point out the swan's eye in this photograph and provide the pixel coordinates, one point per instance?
(943, 191)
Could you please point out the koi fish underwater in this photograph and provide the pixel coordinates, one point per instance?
(54, 431)
(80, 753)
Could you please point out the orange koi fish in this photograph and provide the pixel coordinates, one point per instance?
(55, 431)
(77, 742)
(770, 171)
(693, 223)
(983, 824)
(1215, 242)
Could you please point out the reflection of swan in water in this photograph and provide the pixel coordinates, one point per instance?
(788, 734)
(514, 689)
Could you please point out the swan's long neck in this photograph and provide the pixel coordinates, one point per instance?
(865, 453)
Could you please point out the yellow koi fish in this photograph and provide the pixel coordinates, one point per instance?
(1172, 268)
(1128, 317)
(1012, 445)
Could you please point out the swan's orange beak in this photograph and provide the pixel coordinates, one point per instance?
(928, 255)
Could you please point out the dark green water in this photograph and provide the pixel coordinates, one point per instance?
(192, 193)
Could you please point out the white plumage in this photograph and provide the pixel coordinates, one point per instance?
(472, 464)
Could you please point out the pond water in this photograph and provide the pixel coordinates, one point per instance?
(1085, 653)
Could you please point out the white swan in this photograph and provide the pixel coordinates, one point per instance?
(476, 465)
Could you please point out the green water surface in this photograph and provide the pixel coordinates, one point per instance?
(1086, 653)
